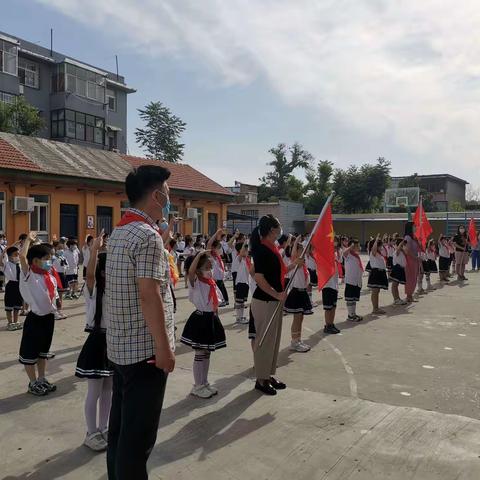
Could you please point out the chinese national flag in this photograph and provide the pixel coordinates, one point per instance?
(423, 229)
(323, 249)
(472, 233)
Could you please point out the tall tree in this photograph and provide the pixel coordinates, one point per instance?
(278, 183)
(319, 186)
(161, 134)
(20, 117)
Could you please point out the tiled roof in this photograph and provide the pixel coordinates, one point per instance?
(65, 159)
(184, 177)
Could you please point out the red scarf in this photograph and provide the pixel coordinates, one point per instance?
(212, 294)
(249, 263)
(359, 260)
(219, 260)
(305, 272)
(274, 249)
(48, 280)
(57, 278)
(130, 217)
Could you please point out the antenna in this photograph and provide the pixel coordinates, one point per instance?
(51, 42)
(116, 61)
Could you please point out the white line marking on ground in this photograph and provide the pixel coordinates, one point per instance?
(348, 369)
(473, 323)
(461, 334)
(428, 367)
(406, 394)
(447, 348)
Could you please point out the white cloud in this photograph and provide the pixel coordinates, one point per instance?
(407, 70)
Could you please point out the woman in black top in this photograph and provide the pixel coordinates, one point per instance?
(270, 273)
(460, 241)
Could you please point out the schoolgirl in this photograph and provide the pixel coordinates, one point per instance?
(10, 266)
(460, 241)
(215, 248)
(353, 279)
(203, 331)
(298, 301)
(397, 275)
(390, 250)
(312, 270)
(93, 363)
(444, 258)
(243, 266)
(377, 279)
(431, 263)
(329, 300)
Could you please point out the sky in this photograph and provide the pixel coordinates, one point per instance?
(351, 80)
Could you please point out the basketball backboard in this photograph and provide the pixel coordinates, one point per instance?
(402, 197)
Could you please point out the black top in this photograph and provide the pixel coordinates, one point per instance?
(266, 263)
(460, 240)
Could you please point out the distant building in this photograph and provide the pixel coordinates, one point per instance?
(79, 103)
(244, 193)
(66, 190)
(446, 189)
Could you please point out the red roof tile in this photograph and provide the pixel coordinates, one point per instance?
(10, 157)
(183, 177)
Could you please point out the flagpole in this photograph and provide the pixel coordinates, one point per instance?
(290, 280)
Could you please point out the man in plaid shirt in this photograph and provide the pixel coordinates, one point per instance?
(139, 319)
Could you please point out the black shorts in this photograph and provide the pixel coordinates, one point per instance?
(241, 294)
(444, 264)
(432, 266)
(37, 337)
(71, 278)
(352, 293)
(13, 298)
(234, 278)
(329, 298)
(313, 277)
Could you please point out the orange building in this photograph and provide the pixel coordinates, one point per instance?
(60, 189)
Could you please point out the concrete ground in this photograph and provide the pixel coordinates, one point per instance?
(393, 397)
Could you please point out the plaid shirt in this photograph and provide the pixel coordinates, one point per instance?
(135, 251)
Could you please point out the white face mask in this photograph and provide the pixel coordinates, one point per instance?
(207, 273)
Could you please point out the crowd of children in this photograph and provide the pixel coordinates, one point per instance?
(37, 275)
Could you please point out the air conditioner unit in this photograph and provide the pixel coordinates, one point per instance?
(192, 213)
(23, 204)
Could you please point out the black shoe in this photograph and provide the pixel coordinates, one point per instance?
(332, 329)
(267, 389)
(277, 385)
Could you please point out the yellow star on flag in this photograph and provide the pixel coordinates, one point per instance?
(331, 235)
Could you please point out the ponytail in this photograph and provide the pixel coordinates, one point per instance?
(100, 286)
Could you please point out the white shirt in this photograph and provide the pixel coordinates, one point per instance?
(91, 307)
(399, 259)
(72, 259)
(180, 246)
(243, 275)
(34, 292)
(86, 255)
(59, 263)
(377, 261)
(310, 262)
(353, 271)
(199, 296)
(235, 264)
(218, 273)
(333, 281)
(431, 255)
(443, 251)
(390, 250)
(10, 271)
(188, 251)
(299, 280)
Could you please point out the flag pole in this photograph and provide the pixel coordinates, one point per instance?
(290, 280)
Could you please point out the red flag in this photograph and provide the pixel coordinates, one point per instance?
(323, 250)
(472, 233)
(423, 229)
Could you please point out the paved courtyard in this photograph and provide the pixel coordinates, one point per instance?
(393, 397)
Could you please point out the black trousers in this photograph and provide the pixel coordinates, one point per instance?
(137, 400)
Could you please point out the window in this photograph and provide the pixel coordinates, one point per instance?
(250, 213)
(2, 212)
(112, 100)
(28, 73)
(78, 125)
(78, 80)
(8, 57)
(7, 98)
(198, 222)
(39, 216)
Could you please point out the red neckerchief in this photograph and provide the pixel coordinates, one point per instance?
(48, 280)
(57, 278)
(212, 294)
(359, 260)
(274, 249)
(305, 272)
(249, 263)
(130, 217)
(219, 260)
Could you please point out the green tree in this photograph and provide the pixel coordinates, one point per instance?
(414, 181)
(456, 207)
(20, 117)
(161, 134)
(280, 182)
(319, 186)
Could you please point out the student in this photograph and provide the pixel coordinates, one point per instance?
(412, 267)
(444, 258)
(353, 279)
(329, 300)
(203, 331)
(312, 270)
(92, 362)
(173, 270)
(86, 253)
(3, 247)
(10, 267)
(298, 301)
(215, 248)
(397, 275)
(431, 263)
(476, 255)
(390, 249)
(377, 279)
(39, 289)
(460, 243)
(189, 251)
(71, 271)
(244, 265)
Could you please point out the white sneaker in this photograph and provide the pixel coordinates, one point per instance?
(299, 346)
(399, 301)
(244, 321)
(212, 389)
(105, 434)
(95, 442)
(201, 392)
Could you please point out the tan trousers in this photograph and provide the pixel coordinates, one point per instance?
(265, 356)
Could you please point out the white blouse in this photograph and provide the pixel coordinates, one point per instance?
(199, 296)
(400, 259)
(34, 292)
(377, 261)
(353, 271)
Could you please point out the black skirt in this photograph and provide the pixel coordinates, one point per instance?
(398, 275)
(241, 294)
(92, 361)
(252, 331)
(389, 263)
(444, 264)
(432, 266)
(352, 293)
(368, 267)
(313, 278)
(13, 298)
(298, 301)
(378, 279)
(204, 331)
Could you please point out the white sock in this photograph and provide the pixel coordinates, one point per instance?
(351, 307)
(239, 313)
(94, 390)
(201, 364)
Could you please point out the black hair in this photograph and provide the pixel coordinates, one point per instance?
(215, 244)
(265, 225)
(353, 241)
(191, 258)
(458, 230)
(238, 246)
(71, 242)
(398, 241)
(22, 237)
(100, 285)
(288, 251)
(409, 229)
(90, 237)
(143, 179)
(172, 242)
(11, 250)
(282, 239)
(38, 251)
